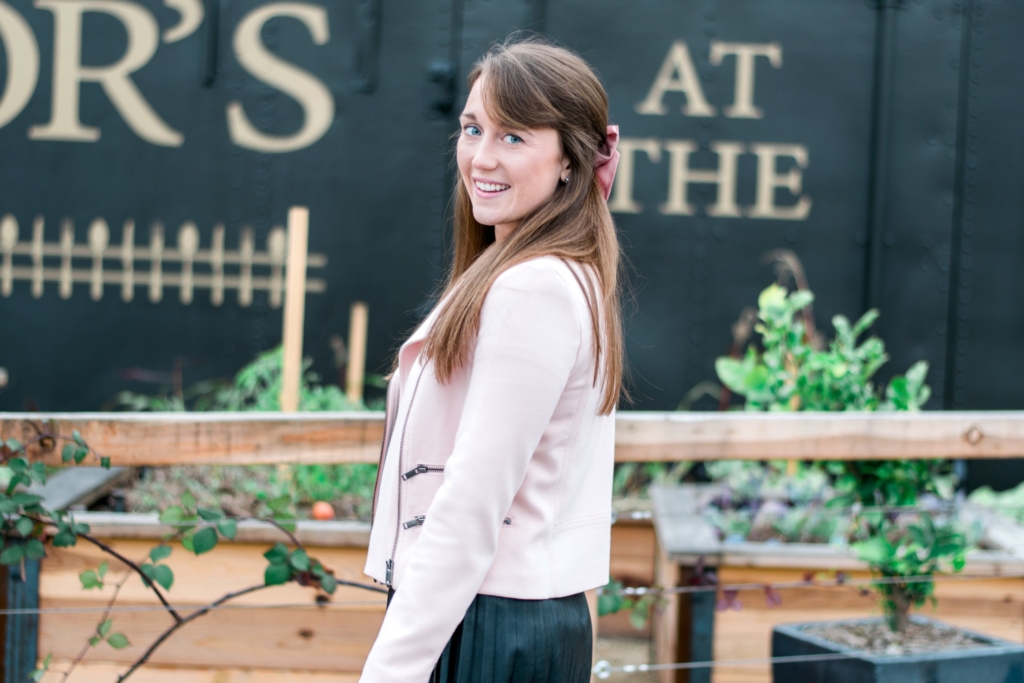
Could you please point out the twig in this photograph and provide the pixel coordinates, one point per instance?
(181, 622)
(270, 520)
(106, 613)
(138, 570)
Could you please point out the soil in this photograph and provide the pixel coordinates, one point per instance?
(235, 490)
(875, 638)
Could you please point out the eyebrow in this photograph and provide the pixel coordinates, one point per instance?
(468, 115)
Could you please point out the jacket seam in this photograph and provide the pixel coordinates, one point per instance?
(573, 434)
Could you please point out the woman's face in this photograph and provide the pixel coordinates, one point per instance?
(508, 173)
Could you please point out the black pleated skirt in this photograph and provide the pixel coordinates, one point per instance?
(504, 640)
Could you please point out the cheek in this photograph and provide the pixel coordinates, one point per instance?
(464, 159)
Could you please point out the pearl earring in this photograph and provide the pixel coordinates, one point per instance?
(565, 180)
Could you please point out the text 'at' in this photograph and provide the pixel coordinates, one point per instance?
(678, 74)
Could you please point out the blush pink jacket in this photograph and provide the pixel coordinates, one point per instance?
(498, 482)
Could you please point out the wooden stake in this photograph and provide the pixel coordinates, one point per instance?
(294, 307)
(359, 316)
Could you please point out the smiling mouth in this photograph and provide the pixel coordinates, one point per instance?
(490, 188)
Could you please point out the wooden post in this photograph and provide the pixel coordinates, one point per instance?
(356, 368)
(19, 633)
(294, 307)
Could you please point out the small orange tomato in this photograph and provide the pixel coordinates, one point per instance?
(322, 510)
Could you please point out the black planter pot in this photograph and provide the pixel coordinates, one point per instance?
(1003, 662)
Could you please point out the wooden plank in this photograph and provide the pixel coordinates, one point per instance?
(335, 638)
(294, 308)
(355, 367)
(819, 436)
(106, 672)
(309, 638)
(333, 533)
(134, 439)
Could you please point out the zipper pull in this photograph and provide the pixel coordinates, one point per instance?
(388, 571)
(415, 521)
(419, 469)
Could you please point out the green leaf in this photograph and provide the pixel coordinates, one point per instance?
(732, 373)
(101, 571)
(95, 640)
(80, 528)
(26, 499)
(188, 500)
(172, 515)
(118, 641)
(278, 554)
(80, 454)
(14, 445)
(186, 543)
(276, 574)
(64, 539)
(149, 570)
(37, 675)
(204, 541)
(34, 549)
(77, 436)
(161, 552)
(280, 503)
(164, 575)
(67, 453)
(227, 528)
(299, 559)
(12, 554)
(88, 578)
(18, 464)
(873, 551)
(104, 628)
(24, 526)
(328, 583)
(210, 515)
(105, 462)
(38, 472)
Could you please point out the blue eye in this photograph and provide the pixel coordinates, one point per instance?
(471, 130)
(513, 139)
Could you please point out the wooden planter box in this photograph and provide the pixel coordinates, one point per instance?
(252, 644)
(687, 628)
(248, 643)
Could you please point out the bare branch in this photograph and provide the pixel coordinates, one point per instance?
(138, 570)
(174, 627)
(106, 613)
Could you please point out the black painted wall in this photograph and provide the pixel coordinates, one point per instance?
(907, 109)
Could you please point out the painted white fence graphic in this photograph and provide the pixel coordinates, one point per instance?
(243, 270)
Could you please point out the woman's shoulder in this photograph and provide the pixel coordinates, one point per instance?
(547, 274)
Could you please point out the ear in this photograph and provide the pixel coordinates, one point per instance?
(565, 165)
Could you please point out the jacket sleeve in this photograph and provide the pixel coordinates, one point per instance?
(527, 346)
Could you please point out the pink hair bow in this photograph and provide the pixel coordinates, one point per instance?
(607, 160)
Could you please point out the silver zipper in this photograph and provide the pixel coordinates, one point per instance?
(415, 521)
(420, 469)
(389, 567)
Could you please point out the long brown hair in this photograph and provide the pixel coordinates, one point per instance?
(532, 84)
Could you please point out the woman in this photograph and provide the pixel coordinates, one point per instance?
(493, 503)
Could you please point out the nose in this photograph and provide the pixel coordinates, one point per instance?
(485, 158)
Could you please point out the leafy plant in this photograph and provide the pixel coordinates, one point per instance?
(792, 372)
(27, 528)
(257, 386)
(789, 373)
